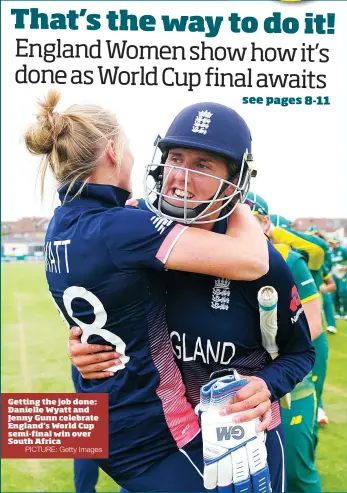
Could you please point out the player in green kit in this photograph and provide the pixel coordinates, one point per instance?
(327, 287)
(339, 269)
(342, 291)
(339, 253)
(315, 252)
(300, 420)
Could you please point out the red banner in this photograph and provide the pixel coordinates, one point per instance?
(53, 426)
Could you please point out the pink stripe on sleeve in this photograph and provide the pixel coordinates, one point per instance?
(169, 242)
(276, 415)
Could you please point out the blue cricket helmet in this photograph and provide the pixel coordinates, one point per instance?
(209, 127)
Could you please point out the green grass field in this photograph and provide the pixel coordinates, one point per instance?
(34, 360)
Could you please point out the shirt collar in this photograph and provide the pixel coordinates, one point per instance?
(93, 194)
(220, 226)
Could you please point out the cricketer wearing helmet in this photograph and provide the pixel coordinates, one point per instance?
(299, 420)
(193, 129)
(214, 323)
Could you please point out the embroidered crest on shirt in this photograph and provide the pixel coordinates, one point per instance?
(160, 223)
(202, 122)
(221, 294)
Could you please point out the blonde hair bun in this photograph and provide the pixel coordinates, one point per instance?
(41, 136)
(71, 142)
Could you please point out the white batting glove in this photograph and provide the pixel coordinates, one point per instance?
(234, 454)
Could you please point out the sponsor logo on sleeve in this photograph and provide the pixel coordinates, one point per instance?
(295, 305)
(295, 301)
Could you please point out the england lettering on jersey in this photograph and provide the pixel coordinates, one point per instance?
(205, 351)
(212, 335)
(214, 325)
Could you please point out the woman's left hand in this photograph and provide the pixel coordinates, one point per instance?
(253, 400)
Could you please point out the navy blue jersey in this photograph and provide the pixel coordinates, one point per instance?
(214, 325)
(104, 266)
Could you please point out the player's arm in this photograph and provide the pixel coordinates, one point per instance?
(295, 347)
(309, 296)
(140, 239)
(313, 312)
(313, 246)
(296, 352)
(241, 254)
(307, 289)
(91, 360)
(328, 285)
(248, 246)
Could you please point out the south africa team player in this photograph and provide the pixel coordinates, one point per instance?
(300, 420)
(339, 269)
(314, 250)
(328, 285)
